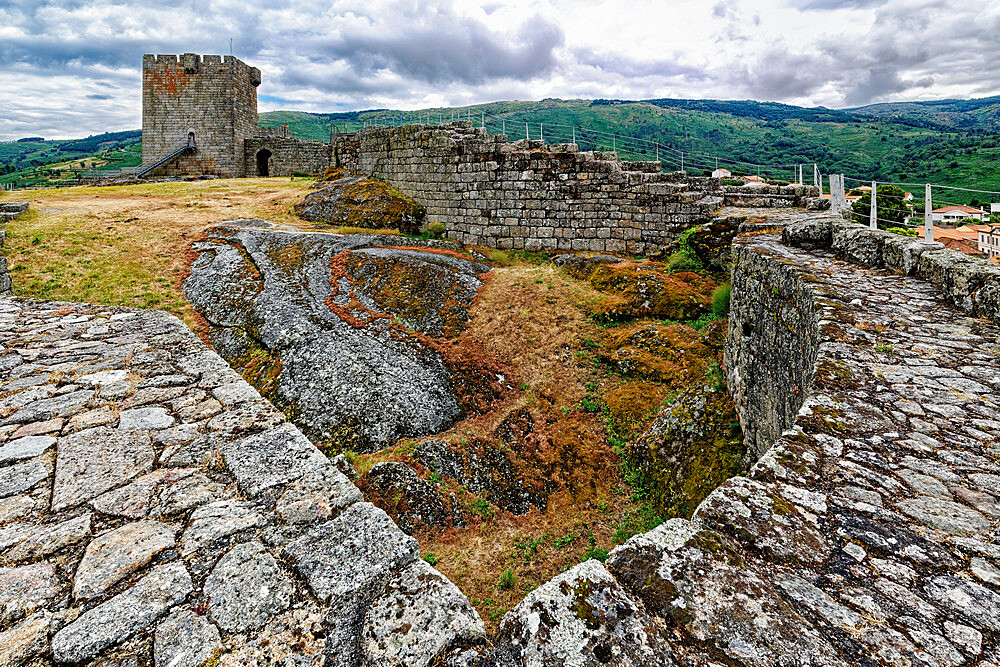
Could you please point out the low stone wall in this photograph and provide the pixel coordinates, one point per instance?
(288, 155)
(969, 283)
(772, 344)
(8, 211)
(866, 533)
(531, 196)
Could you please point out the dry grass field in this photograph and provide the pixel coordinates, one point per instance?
(128, 245)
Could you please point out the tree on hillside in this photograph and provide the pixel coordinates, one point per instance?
(893, 210)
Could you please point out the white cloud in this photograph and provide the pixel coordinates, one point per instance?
(75, 63)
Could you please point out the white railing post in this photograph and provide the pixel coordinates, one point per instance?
(483, 118)
(682, 160)
(541, 135)
(574, 134)
(816, 180)
(928, 215)
(873, 215)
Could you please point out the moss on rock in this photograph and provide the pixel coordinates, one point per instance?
(359, 201)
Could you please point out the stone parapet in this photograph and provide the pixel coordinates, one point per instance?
(971, 284)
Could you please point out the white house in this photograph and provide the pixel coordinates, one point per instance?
(949, 215)
(721, 173)
(989, 240)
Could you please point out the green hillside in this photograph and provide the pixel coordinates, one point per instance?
(868, 143)
(33, 161)
(951, 142)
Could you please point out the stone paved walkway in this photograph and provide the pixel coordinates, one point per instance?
(154, 507)
(869, 534)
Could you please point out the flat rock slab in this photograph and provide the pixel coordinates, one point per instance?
(96, 460)
(185, 639)
(276, 456)
(350, 554)
(25, 641)
(211, 523)
(25, 448)
(34, 541)
(247, 588)
(417, 617)
(146, 419)
(123, 615)
(21, 477)
(116, 554)
(23, 589)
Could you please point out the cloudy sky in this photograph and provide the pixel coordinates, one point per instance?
(72, 67)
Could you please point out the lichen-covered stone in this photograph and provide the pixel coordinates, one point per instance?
(246, 588)
(345, 563)
(185, 639)
(358, 201)
(123, 615)
(583, 618)
(417, 617)
(726, 605)
(412, 501)
(324, 330)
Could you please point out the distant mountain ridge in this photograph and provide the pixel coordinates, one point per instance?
(954, 142)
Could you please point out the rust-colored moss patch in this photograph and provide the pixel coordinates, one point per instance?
(650, 291)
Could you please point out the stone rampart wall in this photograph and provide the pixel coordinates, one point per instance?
(772, 345)
(532, 196)
(288, 156)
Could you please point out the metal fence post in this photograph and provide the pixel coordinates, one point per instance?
(682, 160)
(574, 134)
(526, 135)
(816, 180)
(928, 215)
(541, 135)
(873, 216)
(503, 126)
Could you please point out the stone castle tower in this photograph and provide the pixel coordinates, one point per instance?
(208, 102)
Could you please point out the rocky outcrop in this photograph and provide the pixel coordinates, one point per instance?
(692, 446)
(644, 289)
(484, 469)
(410, 500)
(344, 200)
(338, 330)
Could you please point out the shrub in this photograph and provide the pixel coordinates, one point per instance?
(720, 299)
(903, 231)
(436, 229)
(431, 558)
(506, 580)
(682, 261)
